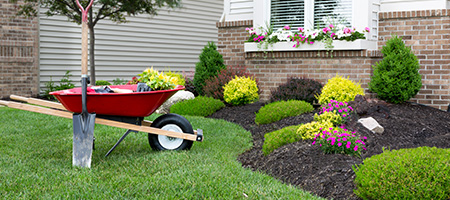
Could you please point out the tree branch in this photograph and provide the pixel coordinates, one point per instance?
(100, 12)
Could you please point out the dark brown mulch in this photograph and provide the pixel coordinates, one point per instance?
(331, 175)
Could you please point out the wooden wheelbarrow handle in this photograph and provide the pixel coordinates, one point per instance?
(84, 37)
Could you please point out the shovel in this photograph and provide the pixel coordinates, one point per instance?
(83, 124)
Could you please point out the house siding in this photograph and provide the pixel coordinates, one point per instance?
(18, 52)
(172, 40)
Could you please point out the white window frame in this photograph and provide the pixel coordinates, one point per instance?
(361, 18)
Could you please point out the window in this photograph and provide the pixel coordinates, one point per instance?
(332, 12)
(310, 13)
(290, 12)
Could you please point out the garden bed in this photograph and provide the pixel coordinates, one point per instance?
(330, 175)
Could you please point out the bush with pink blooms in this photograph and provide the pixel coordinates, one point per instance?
(340, 140)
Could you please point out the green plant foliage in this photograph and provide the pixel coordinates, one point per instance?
(332, 117)
(211, 62)
(179, 77)
(119, 81)
(241, 91)
(102, 82)
(310, 130)
(340, 89)
(419, 173)
(157, 80)
(279, 138)
(200, 106)
(281, 109)
(64, 83)
(214, 85)
(396, 78)
(297, 89)
(340, 140)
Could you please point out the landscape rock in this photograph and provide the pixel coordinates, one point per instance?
(177, 97)
(371, 124)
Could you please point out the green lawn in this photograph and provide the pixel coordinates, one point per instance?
(36, 163)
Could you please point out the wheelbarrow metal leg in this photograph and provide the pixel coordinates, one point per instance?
(118, 142)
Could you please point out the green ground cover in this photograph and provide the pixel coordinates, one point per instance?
(36, 163)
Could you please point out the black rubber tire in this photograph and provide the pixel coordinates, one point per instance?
(170, 119)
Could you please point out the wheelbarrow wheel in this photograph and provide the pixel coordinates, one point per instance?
(170, 122)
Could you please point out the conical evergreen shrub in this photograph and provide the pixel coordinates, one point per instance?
(396, 78)
(211, 62)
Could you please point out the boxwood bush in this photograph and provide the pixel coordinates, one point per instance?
(241, 91)
(276, 111)
(279, 138)
(419, 173)
(200, 106)
(340, 89)
(297, 89)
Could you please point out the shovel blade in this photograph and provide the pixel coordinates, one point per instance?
(83, 137)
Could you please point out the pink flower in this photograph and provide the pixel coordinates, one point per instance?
(340, 110)
(331, 26)
(348, 145)
(367, 29)
(293, 46)
(344, 115)
(333, 34)
(311, 42)
(356, 148)
(287, 27)
(247, 29)
(300, 29)
(347, 30)
(344, 139)
(339, 144)
(313, 142)
(326, 29)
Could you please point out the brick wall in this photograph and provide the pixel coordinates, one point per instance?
(426, 32)
(428, 35)
(19, 52)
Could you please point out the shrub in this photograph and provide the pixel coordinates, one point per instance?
(200, 106)
(396, 78)
(419, 173)
(119, 81)
(281, 109)
(340, 89)
(102, 82)
(64, 83)
(310, 130)
(279, 138)
(178, 77)
(189, 86)
(332, 117)
(340, 140)
(240, 91)
(211, 62)
(297, 89)
(214, 85)
(340, 108)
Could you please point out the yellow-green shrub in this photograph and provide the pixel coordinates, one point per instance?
(332, 117)
(310, 130)
(340, 89)
(179, 77)
(240, 91)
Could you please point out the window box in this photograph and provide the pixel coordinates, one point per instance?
(288, 46)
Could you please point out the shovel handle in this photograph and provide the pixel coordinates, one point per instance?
(84, 37)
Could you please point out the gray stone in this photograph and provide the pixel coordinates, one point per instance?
(371, 124)
(177, 97)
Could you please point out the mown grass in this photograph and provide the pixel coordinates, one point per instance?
(36, 163)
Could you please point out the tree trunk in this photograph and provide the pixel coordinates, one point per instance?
(91, 48)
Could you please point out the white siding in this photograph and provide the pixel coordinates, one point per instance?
(171, 40)
(236, 10)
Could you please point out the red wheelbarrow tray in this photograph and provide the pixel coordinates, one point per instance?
(134, 104)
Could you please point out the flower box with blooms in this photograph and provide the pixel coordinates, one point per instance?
(328, 38)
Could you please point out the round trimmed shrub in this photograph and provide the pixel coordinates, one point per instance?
(199, 106)
(279, 138)
(276, 111)
(241, 91)
(211, 62)
(419, 173)
(340, 89)
(297, 89)
(332, 117)
(396, 78)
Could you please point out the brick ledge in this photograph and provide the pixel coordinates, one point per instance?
(247, 23)
(414, 13)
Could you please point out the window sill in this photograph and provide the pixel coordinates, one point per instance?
(288, 46)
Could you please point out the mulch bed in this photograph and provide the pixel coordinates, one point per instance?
(330, 175)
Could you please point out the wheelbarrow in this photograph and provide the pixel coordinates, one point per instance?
(122, 110)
